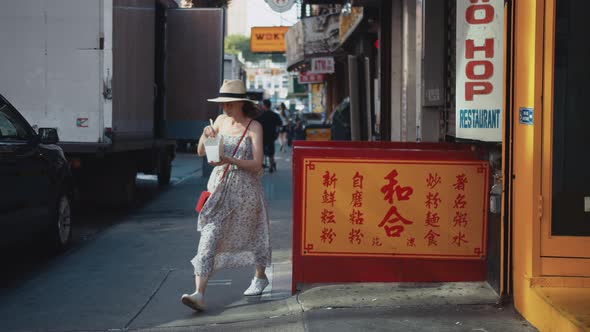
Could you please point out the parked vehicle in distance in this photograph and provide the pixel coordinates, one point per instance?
(35, 183)
(309, 118)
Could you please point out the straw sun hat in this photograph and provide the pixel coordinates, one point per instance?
(231, 90)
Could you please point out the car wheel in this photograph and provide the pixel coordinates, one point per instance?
(62, 223)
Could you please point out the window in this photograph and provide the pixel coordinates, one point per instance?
(11, 127)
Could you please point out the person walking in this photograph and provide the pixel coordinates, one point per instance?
(233, 222)
(285, 124)
(271, 122)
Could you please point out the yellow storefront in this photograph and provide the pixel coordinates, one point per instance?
(549, 200)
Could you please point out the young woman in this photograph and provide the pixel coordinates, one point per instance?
(234, 222)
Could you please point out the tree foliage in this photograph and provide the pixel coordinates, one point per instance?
(236, 44)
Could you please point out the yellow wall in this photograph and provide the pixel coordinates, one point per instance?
(548, 309)
(528, 65)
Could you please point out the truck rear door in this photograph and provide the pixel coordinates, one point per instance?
(56, 62)
(194, 62)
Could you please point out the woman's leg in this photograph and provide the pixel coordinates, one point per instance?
(204, 260)
(283, 138)
(201, 284)
(260, 272)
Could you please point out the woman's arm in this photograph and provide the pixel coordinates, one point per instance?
(209, 132)
(254, 165)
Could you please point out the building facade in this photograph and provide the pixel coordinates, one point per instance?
(408, 73)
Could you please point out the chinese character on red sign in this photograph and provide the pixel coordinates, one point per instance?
(330, 180)
(357, 181)
(376, 242)
(432, 237)
(460, 202)
(355, 236)
(460, 219)
(402, 193)
(329, 197)
(459, 238)
(328, 235)
(432, 180)
(328, 217)
(357, 199)
(393, 217)
(461, 181)
(356, 217)
(432, 200)
(411, 242)
(310, 78)
(432, 219)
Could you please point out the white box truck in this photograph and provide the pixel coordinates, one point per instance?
(87, 68)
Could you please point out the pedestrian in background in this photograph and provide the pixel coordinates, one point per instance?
(271, 122)
(233, 222)
(284, 130)
(298, 130)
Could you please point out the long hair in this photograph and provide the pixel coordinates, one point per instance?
(283, 108)
(250, 110)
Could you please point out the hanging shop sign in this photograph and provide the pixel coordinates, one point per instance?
(394, 208)
(294, 44)
(280, 6)
(479, 86)
(306, 78)
(318, 97)
(268, 39)
(321, 34)
(323, 65)
(349, 21)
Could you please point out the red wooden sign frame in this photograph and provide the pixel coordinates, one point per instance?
(328, 269)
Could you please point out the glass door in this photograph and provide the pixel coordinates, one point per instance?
(565, 218)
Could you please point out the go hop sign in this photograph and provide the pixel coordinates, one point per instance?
(479, 69)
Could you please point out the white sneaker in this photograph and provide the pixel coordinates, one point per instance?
(256, 287)
(194, 301)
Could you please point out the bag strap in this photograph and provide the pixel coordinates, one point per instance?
(235, 150)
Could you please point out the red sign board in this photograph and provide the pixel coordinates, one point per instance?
(310, 78)
(393, 211)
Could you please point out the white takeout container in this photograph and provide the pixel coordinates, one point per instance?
(214, 148)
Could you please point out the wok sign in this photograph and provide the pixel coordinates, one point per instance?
(268, 39)
(479, 69)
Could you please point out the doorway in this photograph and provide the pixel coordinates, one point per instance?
(565, 221)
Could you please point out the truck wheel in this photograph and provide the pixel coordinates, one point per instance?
(165, 171)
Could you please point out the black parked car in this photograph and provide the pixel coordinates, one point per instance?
(35, 183)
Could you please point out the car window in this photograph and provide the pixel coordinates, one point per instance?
(11, 127)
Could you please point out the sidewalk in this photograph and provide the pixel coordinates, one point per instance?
(344, 307)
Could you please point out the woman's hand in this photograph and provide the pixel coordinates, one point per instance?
(209, 132)
(223, 161)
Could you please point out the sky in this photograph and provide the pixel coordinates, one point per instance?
(260, 14)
